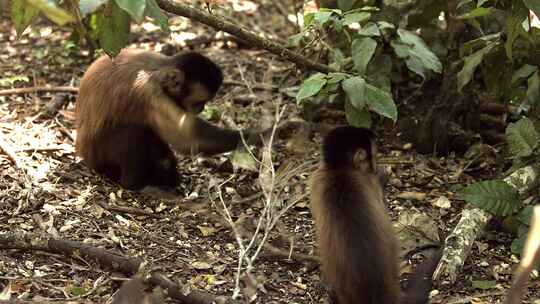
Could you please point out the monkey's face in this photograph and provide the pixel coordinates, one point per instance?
(195, 98)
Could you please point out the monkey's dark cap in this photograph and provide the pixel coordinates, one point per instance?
(200, 68)
(340, 145)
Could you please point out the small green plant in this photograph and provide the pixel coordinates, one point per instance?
(363, 64)
(107, 21)
(499, 198)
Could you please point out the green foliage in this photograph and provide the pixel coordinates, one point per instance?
(311, 86)
(365, 86)
(471, 63)
(135, 8)
(113, 28)
(498, 197)
(108, 21)
(9, 81)
(22, 15)
(495, 196)
(533, 5)
(418, 57)
(522, 138)
(363, 50)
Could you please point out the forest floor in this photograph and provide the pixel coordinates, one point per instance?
(45, 188)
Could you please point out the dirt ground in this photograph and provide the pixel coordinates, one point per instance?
(46, 188)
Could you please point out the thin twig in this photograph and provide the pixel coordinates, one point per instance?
(249, 37)
(17, 91)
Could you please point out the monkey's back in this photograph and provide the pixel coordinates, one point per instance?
(356, 239)
(114, 92)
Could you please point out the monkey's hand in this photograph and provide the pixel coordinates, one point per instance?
(171, 80)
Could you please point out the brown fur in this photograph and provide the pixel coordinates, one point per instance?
(355, 237)
(132, 292)
(131, 107)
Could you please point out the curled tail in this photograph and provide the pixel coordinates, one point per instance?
(419, 285)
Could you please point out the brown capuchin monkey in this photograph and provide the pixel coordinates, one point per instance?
(130, 108)
(356, 240)
(133, 292)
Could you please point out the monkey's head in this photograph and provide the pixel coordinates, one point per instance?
(199, 83)
(350, 147)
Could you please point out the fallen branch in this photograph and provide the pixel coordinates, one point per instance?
(126, 210)
(471, 225)
(116, 262)
(17, 91)
(248, 36)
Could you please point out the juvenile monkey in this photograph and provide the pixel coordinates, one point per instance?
(132, 107)
(355, 237)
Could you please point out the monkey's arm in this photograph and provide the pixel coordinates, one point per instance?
(188, 133)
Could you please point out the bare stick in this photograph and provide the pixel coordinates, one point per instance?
(529, 259)
(249, 37)
(38, 89)
(106, 258)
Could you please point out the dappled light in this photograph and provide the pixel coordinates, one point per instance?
(260, 151)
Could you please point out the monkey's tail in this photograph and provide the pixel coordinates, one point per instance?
(419, 285)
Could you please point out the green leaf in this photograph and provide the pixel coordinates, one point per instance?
(113, 26)
(477, 12)
(524, 72)
(513, 26)
(362, 52)
(481, 2)
(494, 196)
(54, 13)
(241, 158)
(385, 26)
(518, 244)
(355, 88)
(533, 5)
(311, 86)
(346, 5)
(135, 8)
(308, 19)
(471, 62)
(89, 6)
(370, 30)
(77, 290)
(154, 11)
(468, 47)
(294, 40)
(359, 17)
(357, 118)
(336, 77)
(483, 284)
(322, 16)
(22, 15)
(418, 57)
(533, 89)
(525, 215)
(463, 2)
(522, 138)
(10, 81)
(381, 102)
